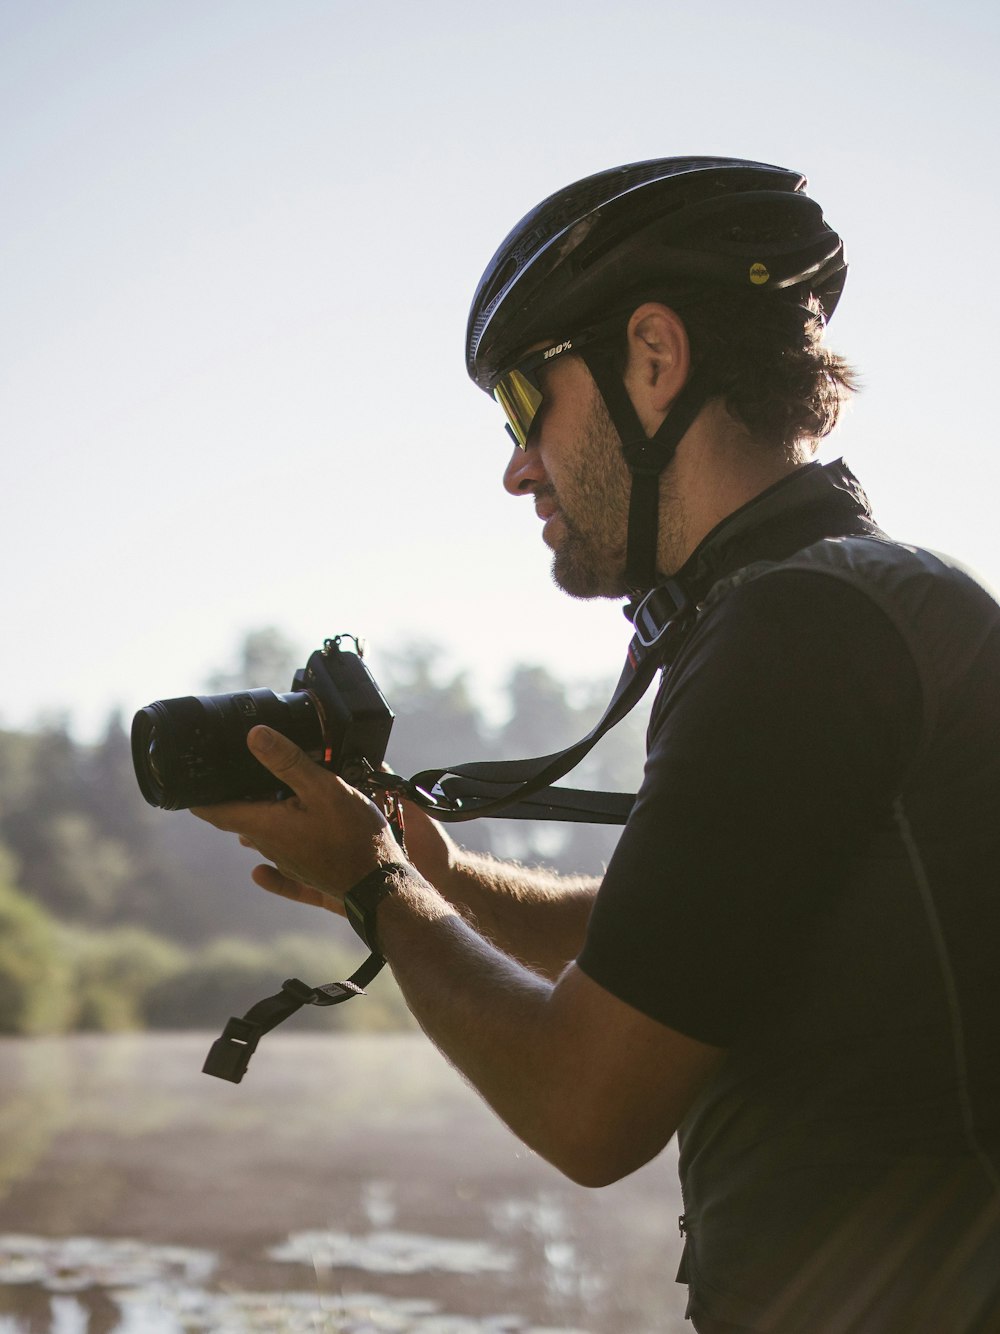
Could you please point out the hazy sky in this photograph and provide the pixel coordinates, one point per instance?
(239, 240)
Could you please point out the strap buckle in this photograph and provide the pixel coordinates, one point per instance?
(658, 611)
(230, 1054)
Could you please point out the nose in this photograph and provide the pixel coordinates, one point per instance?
(524, 472)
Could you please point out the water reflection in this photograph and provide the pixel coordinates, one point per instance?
(36, 1106)
(393, 1253)
(350, 1185)
(568, 1271)
(70, 1264)
(124, 1287)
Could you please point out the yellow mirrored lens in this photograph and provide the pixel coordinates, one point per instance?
(520, 400)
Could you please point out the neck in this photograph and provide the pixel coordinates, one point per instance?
(718, 468)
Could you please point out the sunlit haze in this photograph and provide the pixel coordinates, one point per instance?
(240, 239)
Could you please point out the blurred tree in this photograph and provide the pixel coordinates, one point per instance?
(56, 770)
(76, 871)
(35, 976)
(223, 979)
(109, 792)
(17, 751)
(546, 717)
(207, 892)
(227, 977)
(114, 971)
(542, 717)
(614, 765)
(42, 822)
(437, 721)
(265, 658)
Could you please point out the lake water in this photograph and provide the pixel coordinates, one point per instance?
(349, 1185)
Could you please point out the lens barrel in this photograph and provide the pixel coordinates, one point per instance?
(192, 751)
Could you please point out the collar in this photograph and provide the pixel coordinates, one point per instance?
(814, 502)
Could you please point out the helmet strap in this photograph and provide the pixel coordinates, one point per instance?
(645, 456)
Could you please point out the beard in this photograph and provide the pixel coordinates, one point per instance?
(579, 569)
(593, 498)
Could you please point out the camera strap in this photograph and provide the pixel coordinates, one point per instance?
(522, 789)
(230, 1054)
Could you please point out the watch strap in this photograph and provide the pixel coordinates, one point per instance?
(362, 900)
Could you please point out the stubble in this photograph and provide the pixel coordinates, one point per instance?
(593, 498)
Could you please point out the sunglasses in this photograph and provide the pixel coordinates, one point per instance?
(518, 391)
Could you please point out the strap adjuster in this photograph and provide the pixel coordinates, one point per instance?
(658, 611)
(304, 994)
(332, 993)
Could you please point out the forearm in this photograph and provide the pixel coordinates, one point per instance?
(492, 1017)
(593, 1085)
(531, 914)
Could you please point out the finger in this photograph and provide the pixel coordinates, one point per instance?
(271, 879)
(232, 817)
(284, 759)
(224, 815)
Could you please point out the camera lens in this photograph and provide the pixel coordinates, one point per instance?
(152, 758)
(192, 751)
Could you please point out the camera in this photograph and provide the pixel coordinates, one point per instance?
(192, 751)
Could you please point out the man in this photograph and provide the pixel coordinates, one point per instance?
(793, 955)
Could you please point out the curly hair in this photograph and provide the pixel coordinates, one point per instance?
(766, 360)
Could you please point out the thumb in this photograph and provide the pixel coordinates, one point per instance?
(282, 757)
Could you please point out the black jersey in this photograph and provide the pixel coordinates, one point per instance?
(810, 878)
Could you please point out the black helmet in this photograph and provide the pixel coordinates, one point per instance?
(619, 233)
(629, 234)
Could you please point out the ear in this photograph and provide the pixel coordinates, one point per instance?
(658, 361)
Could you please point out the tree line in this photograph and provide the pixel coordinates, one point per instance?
(114, 915)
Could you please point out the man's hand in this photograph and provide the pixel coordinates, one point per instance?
(322, 840)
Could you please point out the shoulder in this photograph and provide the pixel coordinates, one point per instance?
(905, 583)
(854, 614)
(788, 664)
(797, 626)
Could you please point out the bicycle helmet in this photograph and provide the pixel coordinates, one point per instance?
(625, 235)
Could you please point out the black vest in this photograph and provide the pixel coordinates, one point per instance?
(841, 1172)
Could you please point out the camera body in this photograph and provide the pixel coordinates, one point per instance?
(192, 751)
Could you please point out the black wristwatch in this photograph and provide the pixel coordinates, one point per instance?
(363, 898)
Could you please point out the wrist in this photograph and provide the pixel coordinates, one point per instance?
(362, 900)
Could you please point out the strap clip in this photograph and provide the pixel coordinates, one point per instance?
(230, 1054)
(661, 608)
